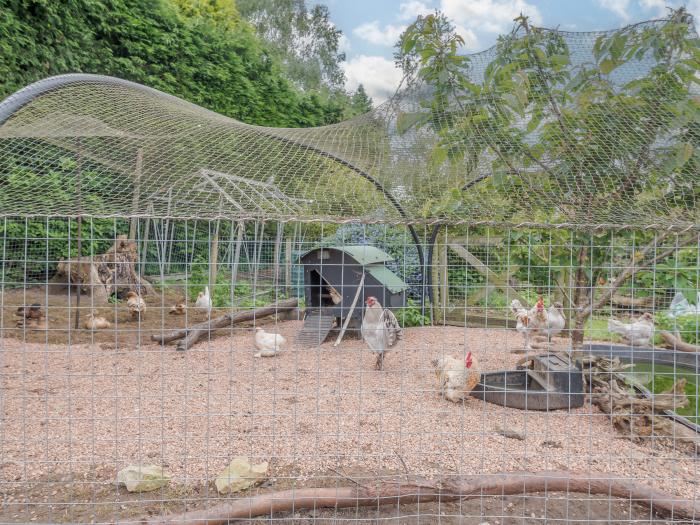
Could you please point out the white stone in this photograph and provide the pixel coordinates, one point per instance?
(240, 475)
(142, 478)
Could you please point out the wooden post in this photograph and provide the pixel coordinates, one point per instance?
(288, 266)
(444, 284)
(237, 253)
(133, 226)
(277, 254)
(168, 236)
(144, 249)
(214, 257)
(348, 316)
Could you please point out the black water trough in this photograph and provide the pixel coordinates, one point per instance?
(553, 383)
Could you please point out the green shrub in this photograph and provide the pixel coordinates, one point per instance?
(411, 315)
(688, 326)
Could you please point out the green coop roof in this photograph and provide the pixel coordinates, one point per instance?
(365, 254)
(362, 253)
(389, 279)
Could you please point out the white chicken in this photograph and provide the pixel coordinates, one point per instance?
(556, 322)
(380, 329)
(456, 377)
(203, 301)
(136, 305)
(267, 343)
(637, 333)
(538, 322)
(96, 322)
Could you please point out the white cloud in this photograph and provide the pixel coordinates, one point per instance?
(411, 10)
(619, 7)
(377, 74)
(658, 6)
(344, 44)
(471, 41)
(491, 16)
(372, 33)
(694, 9)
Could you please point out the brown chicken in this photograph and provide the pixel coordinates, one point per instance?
(31, 317)
(178, 309)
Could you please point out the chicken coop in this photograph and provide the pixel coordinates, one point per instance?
(528, 219)
(337, 280)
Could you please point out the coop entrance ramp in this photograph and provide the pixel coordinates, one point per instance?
(317, 324)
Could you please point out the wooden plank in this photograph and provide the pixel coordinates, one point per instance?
(237, 256)
(444, 288)
(467, 318)
(277, 254)
(288, 265)
(491, 276)
(485, 291)
(477, 240)
(214, 257)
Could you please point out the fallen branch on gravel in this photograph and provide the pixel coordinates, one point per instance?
(677, 343)
(194, 333)
(634, 414)
(406, 489)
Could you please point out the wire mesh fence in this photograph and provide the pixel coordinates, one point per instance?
(462, 307)
(81, 404)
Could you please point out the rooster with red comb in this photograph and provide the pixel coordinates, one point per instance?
(457, 377)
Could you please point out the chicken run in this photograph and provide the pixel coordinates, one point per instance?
(155, 358)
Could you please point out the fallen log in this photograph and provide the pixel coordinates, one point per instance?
(410, 489)
(632, 302)
(677, 343)
(194, 333)
(636, 415)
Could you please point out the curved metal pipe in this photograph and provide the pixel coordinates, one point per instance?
(26, 95)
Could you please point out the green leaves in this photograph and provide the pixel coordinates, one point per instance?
(198, 50)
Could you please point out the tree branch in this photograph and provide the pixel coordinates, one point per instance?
(632, 270)
(416, 489)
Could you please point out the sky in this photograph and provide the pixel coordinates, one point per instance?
(372, 27)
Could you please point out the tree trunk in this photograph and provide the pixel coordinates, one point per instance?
(411, 489)
(105, 274)
(581, 285)
(199, 331)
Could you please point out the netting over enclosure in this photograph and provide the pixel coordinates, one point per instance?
(627, 161)
(479, 302)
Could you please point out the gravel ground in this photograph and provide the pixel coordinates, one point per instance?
(86, 411)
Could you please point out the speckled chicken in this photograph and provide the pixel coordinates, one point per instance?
(456, 377)
(380, 329)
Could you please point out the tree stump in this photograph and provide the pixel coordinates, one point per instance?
(100, 276)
